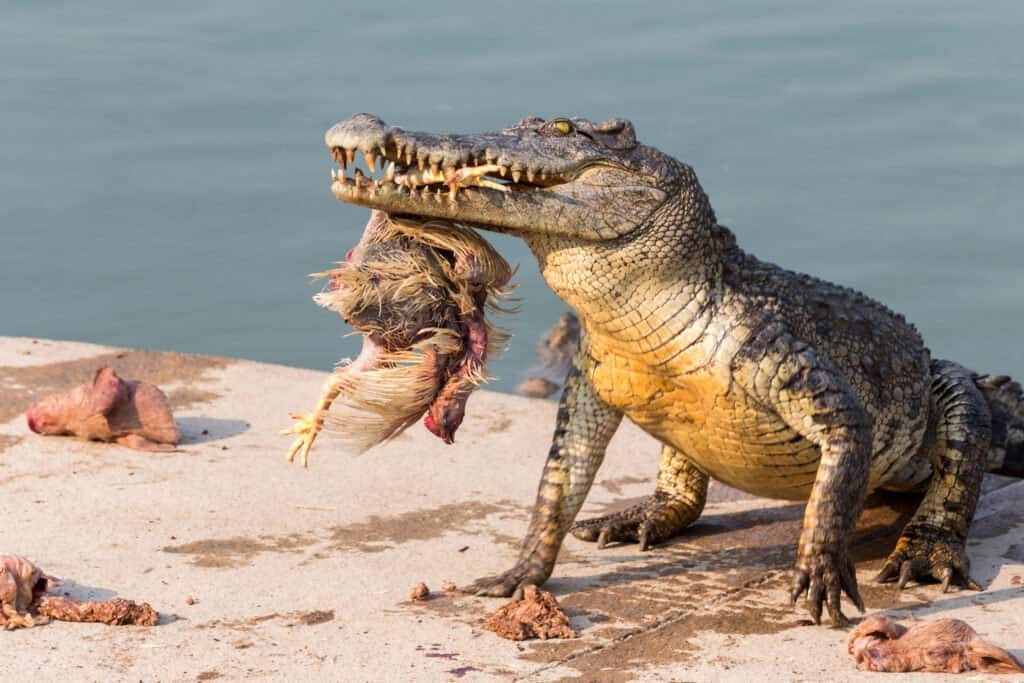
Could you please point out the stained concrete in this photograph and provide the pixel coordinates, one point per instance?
(264, 571)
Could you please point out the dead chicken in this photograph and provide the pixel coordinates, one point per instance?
(942, 646)
(420, 294)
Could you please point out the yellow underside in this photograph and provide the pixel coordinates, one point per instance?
(724, 432)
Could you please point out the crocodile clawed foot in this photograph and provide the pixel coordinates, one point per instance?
(824, 576)
(649, 523)
(924, 553)
(510, 583)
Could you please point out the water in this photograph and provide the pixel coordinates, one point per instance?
(164, 182)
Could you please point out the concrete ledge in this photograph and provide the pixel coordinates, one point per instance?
(304, 575)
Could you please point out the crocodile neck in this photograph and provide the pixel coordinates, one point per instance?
(659, 283)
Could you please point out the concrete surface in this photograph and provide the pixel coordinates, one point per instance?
(303, 575)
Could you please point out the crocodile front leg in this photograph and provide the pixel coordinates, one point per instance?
(676, 503)
(584, 428)
(817, 402)
(933, 543)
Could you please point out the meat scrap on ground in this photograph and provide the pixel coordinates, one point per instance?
(116, 612)
(419, 592)
(942, 646)
(537, 615)
(419, 293)
(24, 603)
(537, 387)
(109, 408)
(21, 584)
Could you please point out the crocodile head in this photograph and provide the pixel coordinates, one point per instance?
(564, 176)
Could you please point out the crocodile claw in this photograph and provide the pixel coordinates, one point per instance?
(649, 523)
(508, 584)
(823, 578)
(920, 556)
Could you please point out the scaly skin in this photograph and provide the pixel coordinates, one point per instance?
(771, 381)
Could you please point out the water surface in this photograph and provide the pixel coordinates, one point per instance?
(164, 182)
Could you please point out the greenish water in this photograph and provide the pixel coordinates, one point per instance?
(164, 181)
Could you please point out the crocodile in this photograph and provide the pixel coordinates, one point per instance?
(768, 380)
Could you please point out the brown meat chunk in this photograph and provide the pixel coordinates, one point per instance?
(537, 615)
(419, 592)
(116, 612)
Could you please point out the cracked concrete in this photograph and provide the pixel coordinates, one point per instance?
(264, 571)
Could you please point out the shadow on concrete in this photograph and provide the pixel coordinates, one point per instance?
(196, 430)
(760, 540)
(80, 591)
(959, 600)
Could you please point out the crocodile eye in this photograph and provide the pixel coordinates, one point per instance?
(562, 126)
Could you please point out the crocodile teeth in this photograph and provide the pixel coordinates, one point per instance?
(421, 176)
(371, 161)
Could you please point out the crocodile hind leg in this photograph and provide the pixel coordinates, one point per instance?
(676, 503)
(932, 544)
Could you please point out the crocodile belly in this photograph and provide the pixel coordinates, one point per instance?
(727, 435)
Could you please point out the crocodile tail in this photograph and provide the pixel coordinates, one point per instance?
(1006, 402)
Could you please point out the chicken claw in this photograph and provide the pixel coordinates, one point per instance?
(307, 426)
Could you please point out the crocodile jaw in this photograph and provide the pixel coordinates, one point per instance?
(511, 181)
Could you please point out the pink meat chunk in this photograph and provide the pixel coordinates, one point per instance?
(133, 414)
